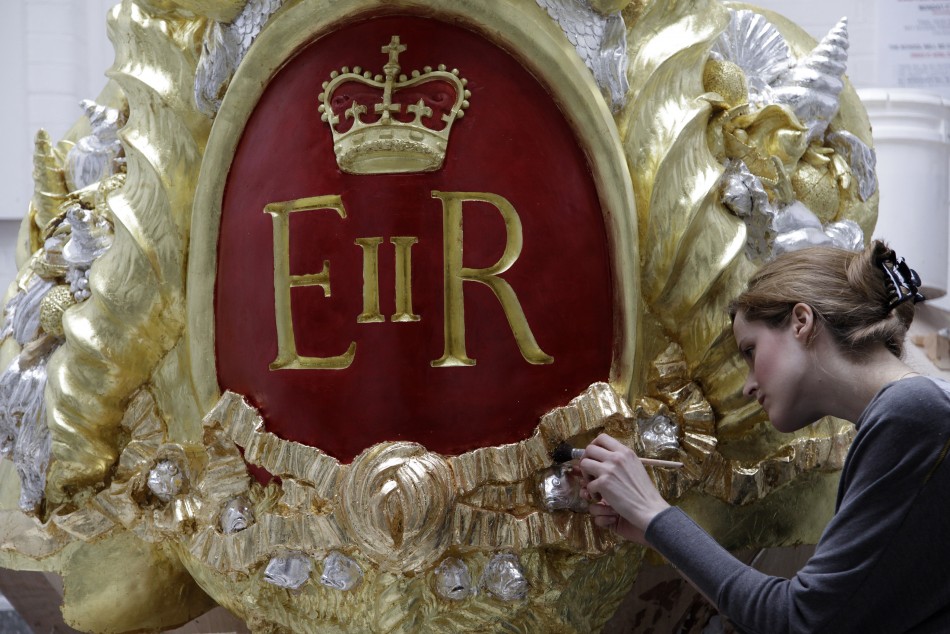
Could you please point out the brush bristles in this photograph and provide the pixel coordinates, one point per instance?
(564, 452)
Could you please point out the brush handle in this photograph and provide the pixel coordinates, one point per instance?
(671, 464)
(577, 454)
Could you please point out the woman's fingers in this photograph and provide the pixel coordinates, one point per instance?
(605, 455)
(605, 448)
(601, 508)
(608, 442)
(591, 467)
(606, 521)
(603, 514)
(596, 452)
(626, 500)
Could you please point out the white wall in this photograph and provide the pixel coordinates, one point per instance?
(56, 53)
(818, 16)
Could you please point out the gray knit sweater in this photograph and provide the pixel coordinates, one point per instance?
(883, 562)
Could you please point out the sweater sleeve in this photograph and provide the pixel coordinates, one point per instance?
(755, 602)
(692, 551)
(892, 502)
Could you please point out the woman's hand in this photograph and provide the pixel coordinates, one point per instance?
(629, 499)
(605, 517)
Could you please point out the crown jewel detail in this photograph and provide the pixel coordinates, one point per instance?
(384, 125)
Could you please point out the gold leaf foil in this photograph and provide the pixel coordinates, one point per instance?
(280, 457)
(395, 504)
(49, 189)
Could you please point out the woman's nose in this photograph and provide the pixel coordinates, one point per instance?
(750, 387)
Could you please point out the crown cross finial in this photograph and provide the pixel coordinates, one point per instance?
(394, 48)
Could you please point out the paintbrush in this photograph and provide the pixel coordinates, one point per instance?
(564, 452)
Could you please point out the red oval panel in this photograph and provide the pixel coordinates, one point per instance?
(514, 143)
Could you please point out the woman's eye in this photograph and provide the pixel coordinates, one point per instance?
(748, 352)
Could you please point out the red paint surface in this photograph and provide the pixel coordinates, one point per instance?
(514, 142)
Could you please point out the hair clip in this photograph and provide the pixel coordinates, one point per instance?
(904, 282)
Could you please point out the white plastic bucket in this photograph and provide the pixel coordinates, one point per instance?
(911, 132)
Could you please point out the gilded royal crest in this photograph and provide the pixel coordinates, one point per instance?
(309, 361)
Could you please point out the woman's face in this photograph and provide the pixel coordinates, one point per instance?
(779, 366)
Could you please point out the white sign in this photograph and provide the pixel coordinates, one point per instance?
(914, 38)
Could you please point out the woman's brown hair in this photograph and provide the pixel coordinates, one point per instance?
(850, 293)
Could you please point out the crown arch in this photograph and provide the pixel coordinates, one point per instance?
(544, 53)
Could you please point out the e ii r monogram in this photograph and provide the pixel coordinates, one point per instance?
(454, 274)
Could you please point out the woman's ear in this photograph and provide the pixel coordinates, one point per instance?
(803, 323)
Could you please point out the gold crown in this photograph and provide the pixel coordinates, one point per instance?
(399, 134)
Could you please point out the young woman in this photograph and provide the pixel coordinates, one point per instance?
(822, 331)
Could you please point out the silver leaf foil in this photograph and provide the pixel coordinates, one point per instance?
(800, 239)
(860, 157)
(235, 516)
(659, 435)
(53, 249)
(24, 435)
(846, 234)
(78, 280)
(561, 489)
(453, 580)
(340, 572)
(290, 571)
(165, 480)
(812, 86)
(220, 55)
(90, 236)
(744, 195)
(504, 577)
(600, 41)
(795, 216)
(21, 317)
(796, 227)
(756, 46)
(224, 46)
(98, 155)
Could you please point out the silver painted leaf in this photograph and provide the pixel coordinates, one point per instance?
(224, 46)
(340, 572)
(745, 196)
(758, 48)
(290, 571)
(504, 577)
(97, 155)
(22, 313)
(600, 41)
(453, 580)
(24, 435)
(846, 234)
(860, 157)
